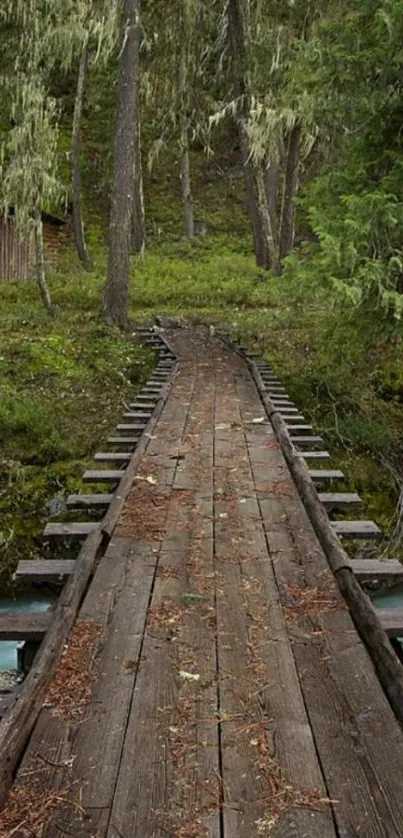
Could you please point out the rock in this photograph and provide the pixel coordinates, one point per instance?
(8, 680)
(57, 506)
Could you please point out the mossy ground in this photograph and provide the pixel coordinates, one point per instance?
(63, 383)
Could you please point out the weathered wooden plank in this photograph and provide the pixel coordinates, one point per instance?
(334, 672)
(145, 405)
(299, 430)
(276, 390)
(102, 601)
(325, 474)
(339, 500)
(81, 501)
(367, 570)
(18, 625)
(70, 529)
(132, 427)
(287, 410)
(315, 455)
(356, 529)
(117, 600)
(298, 419)
(113, 456)
(49, 570)
(172, 713)
(391, 621)
(19, 721)
(302, 441)
(384, 658)
(124, 440)
(137, 414)
(6, 701)
(102, 476)
(265, 733)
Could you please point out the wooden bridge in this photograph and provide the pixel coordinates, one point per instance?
(202, 675)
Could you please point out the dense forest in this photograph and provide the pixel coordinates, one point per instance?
(231, 162)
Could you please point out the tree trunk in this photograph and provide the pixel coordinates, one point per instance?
(138, 221)
(138, 226)
(272, 179)
(40, 269)
(265, 244)
(265, 221)
(252, 204)
(78, 226)
(260, 248)
(184, 147)
(115, 300)
(290, 191)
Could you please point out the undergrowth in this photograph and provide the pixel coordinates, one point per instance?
(63, 382)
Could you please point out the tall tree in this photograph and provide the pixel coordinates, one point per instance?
(139, 238)
(184, 106)
(177, 83)
(138, 218)
(290, 189)
(83, 33)
(28, 165)
(239, 33)
(78, 225)
(115, 299)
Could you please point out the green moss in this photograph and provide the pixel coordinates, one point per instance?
(63, 384)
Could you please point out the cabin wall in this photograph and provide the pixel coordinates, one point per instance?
(17, 256)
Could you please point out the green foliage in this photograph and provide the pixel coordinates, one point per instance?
(351, 72)
(63, 384)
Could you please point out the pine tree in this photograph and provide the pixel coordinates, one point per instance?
(115, 300)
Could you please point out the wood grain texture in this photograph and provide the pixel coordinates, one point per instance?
(70, 529)
(266, 738)
(81, 501)
(18, 625)
(348, 711)
(49, 570)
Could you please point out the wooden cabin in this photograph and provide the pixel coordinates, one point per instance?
(17, 255)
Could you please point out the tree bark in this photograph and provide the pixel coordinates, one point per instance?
(184, 146)
(138, 220)
(272, 181)
(266, 224)
(259, 244)
(78, 226)
(266, 250)
(287, 230)
(40, 269)
(139, 240)
(115, 299)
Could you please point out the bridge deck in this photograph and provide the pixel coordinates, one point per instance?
(231, 694)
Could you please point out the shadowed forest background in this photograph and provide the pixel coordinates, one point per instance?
(233, 163)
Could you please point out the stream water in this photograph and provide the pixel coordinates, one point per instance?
(36, 601)
(391, 599)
